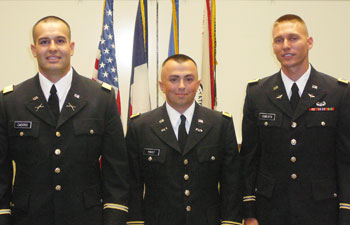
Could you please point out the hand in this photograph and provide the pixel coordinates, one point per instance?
(251, 221)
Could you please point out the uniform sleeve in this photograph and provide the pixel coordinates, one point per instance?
(343, 158)
(249, 154)
(135, 215)
(230, 191)
(5, 169)
(114, 168)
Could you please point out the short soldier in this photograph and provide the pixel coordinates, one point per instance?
(54, 127)
(183, 157)
(296, 139)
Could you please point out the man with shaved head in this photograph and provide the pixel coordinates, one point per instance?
(296, 139)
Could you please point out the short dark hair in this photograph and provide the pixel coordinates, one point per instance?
(291, 18)
(50, 19)
(180, 58)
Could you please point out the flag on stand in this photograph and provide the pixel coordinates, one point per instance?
(206, 94)
(106, 64)
(139, 97)
(174, 30)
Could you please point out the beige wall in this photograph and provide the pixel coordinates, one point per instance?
(243, 34)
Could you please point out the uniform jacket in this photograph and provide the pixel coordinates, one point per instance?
(297, 165)
(58, 178)
(182, 188)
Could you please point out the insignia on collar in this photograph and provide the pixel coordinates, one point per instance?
(200, 121)
(275, 88)
(164, 129)
(7, 89)
(199, 130)
(71, 106)
(77, 96)
(135, 115)
(35, 98)
(314, 86)
(311, 95)
(253, 81)
(107, 86)
(279, 97)
(38, 107)
(226, 114)
(161, 121)
(343, 81)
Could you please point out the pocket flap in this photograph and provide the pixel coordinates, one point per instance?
(209, 153)
(88, 126)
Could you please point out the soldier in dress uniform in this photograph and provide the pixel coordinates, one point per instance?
(296, 139)
(54, 127)
(179, 154)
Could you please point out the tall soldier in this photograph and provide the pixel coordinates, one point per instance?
(296, 139)
(180, 152)
(55, 126)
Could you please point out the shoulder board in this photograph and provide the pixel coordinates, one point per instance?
(7, 89)
(135, 115)
(107, 86)
(253, 81)
(343, 81)
(226, 114)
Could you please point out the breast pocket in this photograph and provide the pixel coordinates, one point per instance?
(89, 133)
(153, 162)
(209, 160)
(321, 119)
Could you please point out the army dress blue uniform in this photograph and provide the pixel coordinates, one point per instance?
(58, 177)
(297, 165)
(181, 188)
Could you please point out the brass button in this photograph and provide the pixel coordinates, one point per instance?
(293, 176)
(212, 158)
(150, 159)
(58, 134)
(58, 187)
(293, 159)
(294, 125)
(266, 123)
(188, 208)
(21, 133)
(335, 195)
(256, 189)
(185, 162)
(323, 123)
(58, 152)
(187, 193)
(57, 170)
(186, 177)
(91, 131)
(293, 142)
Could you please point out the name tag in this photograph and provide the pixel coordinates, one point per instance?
(267, 116)
(23, 125)
(151, 151)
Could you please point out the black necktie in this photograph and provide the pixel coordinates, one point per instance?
(53, 101)
(294, 99)
(182, 134)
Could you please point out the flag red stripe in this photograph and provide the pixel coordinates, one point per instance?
(211, 56)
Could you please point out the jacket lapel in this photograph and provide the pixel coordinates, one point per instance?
(37, 103)
(313, 92)
(75, 100)
(278, 95)
(199, 128)
(163, 129)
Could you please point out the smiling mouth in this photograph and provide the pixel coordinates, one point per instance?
(288, 55)
(53, 58)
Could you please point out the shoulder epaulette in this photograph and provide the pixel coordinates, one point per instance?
(135, 115)
(7, 89)
(343, 81)
(107, 86)
(226, 114)
(253, 81)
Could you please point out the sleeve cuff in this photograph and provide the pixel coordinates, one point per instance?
(115, 206)
(135, 222)
(344, 206)
(5, 211)
(249, 198)
(227, 222)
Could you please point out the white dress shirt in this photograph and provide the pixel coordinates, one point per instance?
(301, 82)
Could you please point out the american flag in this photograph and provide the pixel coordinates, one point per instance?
(106, 63)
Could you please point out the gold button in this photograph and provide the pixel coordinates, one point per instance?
(293, 159)
(212, 158)
(188, 208)
(57, 170)
(21, 133)
(187, 193)
(57, 152)
(185, 162)
(150, 158)
(335, 195)
(266, 123)
(58, 187)
(293, 142)
(294, 125)
(58, 134)
(186, 177)
(323, 123)
(293, 176)
(91, 131)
